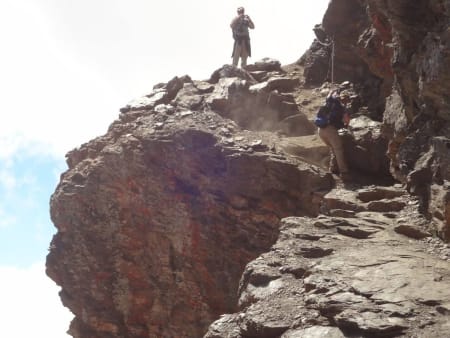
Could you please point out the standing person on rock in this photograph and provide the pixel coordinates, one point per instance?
(241, 48)
(338, 118)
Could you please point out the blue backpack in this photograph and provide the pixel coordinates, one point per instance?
(329, 113)
(322, 116)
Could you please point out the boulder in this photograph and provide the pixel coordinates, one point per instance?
(265, 65)
(146, 213)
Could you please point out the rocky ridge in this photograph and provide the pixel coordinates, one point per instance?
(201, 182)
(350, 272)
(162, 213)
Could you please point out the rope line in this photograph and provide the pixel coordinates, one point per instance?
(332, 61)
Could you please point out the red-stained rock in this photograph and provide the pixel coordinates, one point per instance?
(157, 219)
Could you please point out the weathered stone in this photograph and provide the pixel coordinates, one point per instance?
(341, 199)
(282, 84)
(259, 87)
(227, 71)
(204, 87)
(188, 97)
(254, 107)
(296, 125)
(259, 75)
(315, 252)
(146, 231)
(316, 63)
(375, 292)
(146, 102)
(359, 232)
(314, 332)
(379, 193)
(365, 148)
(310, 148)
(370, 323)
(440, 208)
(225, 327)
(221, 98)
(385, 205)
(265, 64)
(412, 231)
(164, 108)
(342, 213)
(173, 86)
(281, 105)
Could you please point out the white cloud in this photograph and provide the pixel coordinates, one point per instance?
(6, 220)
(67, 67)
(51, 102)
(30, 304)
(7, 179)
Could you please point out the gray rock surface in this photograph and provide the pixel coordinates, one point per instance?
(347, 276)
(397, 52)
(157, 218)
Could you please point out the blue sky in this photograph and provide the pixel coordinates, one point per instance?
(26, 182)
(66, 68)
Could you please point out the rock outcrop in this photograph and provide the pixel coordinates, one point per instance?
(158, 218)
(350, 272)
(207, 208)
(397, 51)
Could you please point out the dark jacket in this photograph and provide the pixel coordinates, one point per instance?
(337, 114)
(240, 26)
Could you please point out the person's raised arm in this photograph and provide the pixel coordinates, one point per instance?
(250, 22)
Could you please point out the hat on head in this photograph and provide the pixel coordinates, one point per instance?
(240, 9)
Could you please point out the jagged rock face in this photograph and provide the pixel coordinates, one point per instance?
(346, 24)
(253, 105)
(157, 219)
(347, 273)
(365, 147)
(397, 53)
(417, 118)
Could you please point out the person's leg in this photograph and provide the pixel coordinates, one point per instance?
(338, 150)
(244, 55)
(237, 53)
(324, 136)
(243, 61)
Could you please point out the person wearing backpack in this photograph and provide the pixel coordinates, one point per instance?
(241, 48)
(330, 118)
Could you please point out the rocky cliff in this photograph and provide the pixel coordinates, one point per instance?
(158, 218)
(398, 52)
(211, 197)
